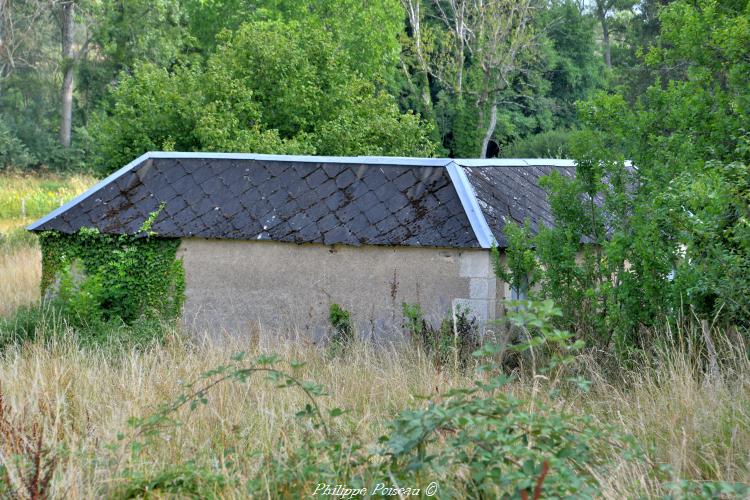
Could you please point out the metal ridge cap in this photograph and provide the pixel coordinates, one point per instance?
(471, 206)
(515, 162)
(96, 187)
(367, 160)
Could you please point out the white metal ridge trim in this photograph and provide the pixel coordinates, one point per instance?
(367, 160)
(471, 206)
(514, 162)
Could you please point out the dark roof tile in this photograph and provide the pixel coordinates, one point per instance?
(333, 202)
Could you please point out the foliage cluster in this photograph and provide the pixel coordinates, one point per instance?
(343, 329)
(451, 344)
(95, 277)
(233, 103)
(636, 247)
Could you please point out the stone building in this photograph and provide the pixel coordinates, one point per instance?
(273, 240)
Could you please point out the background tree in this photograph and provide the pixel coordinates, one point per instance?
(234, 102)
(75, 37)
(482, 47)
(604, 10)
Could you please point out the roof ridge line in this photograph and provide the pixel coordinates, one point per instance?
(362, 159)
(96, 187)
(471, 205)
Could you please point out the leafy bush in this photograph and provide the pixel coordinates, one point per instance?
(343, 330)
(13, 152)
(118, 276)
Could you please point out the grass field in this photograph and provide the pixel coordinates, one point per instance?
(24, 198)
(80, 400)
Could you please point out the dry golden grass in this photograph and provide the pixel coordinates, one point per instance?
(84, 397)
(698, 425)
(20, 272)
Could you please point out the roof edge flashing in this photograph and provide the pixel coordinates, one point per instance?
(96, 187)
(471, 206)
(366, 160)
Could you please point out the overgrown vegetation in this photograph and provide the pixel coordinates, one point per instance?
(451, 344)
(343, 329)
(647, 262)
(639, 245)
(98, 277)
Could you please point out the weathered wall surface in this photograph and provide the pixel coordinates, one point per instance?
(238, 286)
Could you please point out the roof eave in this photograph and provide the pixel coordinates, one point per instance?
(34, 226)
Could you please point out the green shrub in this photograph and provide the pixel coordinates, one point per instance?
(343, 331)
(120, 276)
(13, 152)
(451, 344)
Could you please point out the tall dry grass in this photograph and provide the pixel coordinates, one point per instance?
(20, 274)
(84, 397)
(23, 198)
(696, 423)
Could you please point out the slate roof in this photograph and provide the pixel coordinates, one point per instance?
(329, 200)
(513, 193)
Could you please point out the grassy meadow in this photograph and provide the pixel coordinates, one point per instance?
(78, 402)
(23, 199)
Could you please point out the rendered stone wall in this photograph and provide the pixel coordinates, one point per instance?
(279, 289)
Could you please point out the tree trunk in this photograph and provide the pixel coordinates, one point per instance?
(490, 130)
(67, 12)
(605, 36)
(3, 64)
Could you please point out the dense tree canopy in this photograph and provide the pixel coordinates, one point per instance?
(269, 87)
(480, 75)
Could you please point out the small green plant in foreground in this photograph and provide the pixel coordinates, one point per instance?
(451, 344)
